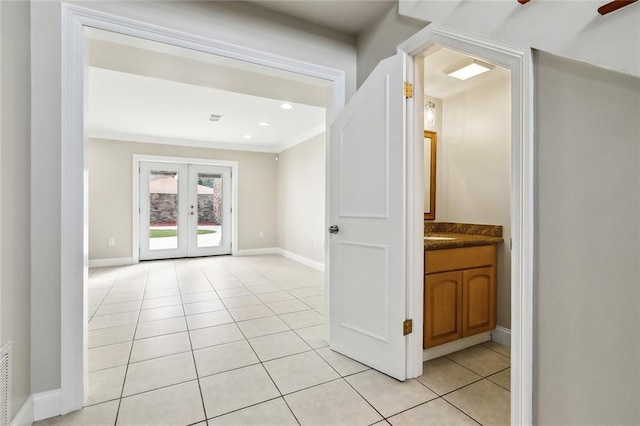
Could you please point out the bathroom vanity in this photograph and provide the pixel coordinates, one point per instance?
(460, 281)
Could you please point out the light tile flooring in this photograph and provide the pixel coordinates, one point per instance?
(239, 341)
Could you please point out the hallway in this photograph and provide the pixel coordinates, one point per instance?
(239, 341)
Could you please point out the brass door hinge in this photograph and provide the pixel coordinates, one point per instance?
(407, 327)
(408, 90)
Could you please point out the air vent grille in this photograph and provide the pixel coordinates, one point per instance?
(5, 384)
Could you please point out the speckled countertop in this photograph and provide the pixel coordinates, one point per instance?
(463, 234)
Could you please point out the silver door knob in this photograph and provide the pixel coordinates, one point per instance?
(333, 229)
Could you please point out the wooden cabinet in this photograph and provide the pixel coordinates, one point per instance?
(459, 293)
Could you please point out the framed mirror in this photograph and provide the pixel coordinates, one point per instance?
(430, 144)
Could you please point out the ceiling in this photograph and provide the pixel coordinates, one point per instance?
(145, 91)
(439, 85)
(346, 16)
(129, 104)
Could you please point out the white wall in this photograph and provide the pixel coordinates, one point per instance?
(380, 40)
(15, 103)
(236, 23)
(587, 272)
(301, 199)
(110, 193)
(569, 28)
(474, 183)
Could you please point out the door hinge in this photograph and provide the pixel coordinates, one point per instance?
(408, 90)
(407, 327)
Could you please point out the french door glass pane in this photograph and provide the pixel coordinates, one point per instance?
(163, 210)
(209, 210)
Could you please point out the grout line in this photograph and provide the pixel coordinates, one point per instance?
(126, 371)
(193, 356)
(366, 400)
(461, 411)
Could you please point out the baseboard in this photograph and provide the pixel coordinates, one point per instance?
(282, 252)
(25, 415)
(114, 261)
(501, 335)
(301, 259)
(256, 252)
(456, 345)
(47, 404)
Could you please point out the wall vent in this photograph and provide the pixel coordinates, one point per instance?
(5, 384)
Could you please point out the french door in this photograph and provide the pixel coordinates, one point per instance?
(185, 210)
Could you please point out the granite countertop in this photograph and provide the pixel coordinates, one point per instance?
(462, 234)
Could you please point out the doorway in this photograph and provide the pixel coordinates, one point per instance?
(184, 210)
(521, 159)
(74, 189)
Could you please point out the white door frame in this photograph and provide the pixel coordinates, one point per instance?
(135, 191)
(73, 227)
(518, 60)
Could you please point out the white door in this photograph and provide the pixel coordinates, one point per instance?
(185, 210)
(367, 282)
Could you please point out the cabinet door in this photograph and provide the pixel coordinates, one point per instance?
(478, 301)
(442, 303)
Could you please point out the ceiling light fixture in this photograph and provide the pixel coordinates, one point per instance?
(247, 136)
(467, 69)
(264, 124)
(286, 106)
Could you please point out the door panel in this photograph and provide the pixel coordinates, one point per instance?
(209, 210)
(478, 306)
(367, 263)
(371, 284)
(163, 217)
(185, 210)
(442, 301)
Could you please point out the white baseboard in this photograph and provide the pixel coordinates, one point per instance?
(282, 252)
(256, 252)
(47, 404)
(456, 345)
(25, 415)
(301, 259)
(501, 335)
(114, 261)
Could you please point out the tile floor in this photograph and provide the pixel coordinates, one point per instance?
(239, 341)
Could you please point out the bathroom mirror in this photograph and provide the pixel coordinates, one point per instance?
(430, 144)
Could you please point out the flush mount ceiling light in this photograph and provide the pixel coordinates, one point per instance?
(215, 117)
(467, 69)
(264, 123)
(247, 136)
(286, 106)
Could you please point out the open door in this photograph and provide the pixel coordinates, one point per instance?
(367, 214)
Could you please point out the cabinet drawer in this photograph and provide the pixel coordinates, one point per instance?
(459, 258)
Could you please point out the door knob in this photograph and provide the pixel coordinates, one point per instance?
(333, 229)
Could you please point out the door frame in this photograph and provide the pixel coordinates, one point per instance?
(74, 183)
(135, 191)
(518, 60)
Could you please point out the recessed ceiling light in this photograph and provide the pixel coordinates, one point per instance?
(467, 69)
(247, 136)
(286, 106)
(264, 123)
